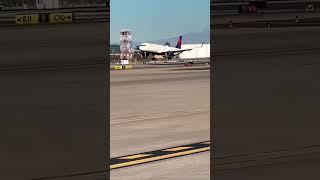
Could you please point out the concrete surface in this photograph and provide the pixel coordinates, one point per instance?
(192, 167)
(157, 108)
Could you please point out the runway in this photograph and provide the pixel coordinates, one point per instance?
(195, 166)
(256, 90)
(266, 93)
(53, 111)
(53, 45)
(159, 108)
(158, 155)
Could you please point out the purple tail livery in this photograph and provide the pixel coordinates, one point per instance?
(179, 42)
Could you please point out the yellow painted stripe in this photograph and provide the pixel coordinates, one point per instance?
(159, 158)
(135, 156)
(177, 148)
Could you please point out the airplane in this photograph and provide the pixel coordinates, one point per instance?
(155, 49)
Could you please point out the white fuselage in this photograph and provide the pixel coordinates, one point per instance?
(157, 49)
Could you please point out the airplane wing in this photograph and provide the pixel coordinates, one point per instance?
(178, 51)
(181, 50)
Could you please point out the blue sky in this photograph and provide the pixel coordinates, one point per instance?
(158, 19)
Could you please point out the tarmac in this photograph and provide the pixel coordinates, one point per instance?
(158, 108)
(193, 167)
(265, 94)
(53, 45)
(263, 17)
(53, 110)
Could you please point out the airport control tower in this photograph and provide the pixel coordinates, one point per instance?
(125, 46)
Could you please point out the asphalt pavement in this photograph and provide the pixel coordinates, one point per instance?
(54, 118)
(265, 97)
(53, 45)
(264, 94)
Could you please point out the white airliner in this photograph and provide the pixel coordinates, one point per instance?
(155, 49)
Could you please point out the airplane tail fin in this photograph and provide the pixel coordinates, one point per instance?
(179, 43)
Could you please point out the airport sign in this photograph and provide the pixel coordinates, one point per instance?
(27, 19)
(43, 18)
(61, 18)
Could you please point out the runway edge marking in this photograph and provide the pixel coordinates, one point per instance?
(136, 159)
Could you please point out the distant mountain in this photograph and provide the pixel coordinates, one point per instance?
(187, 38)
